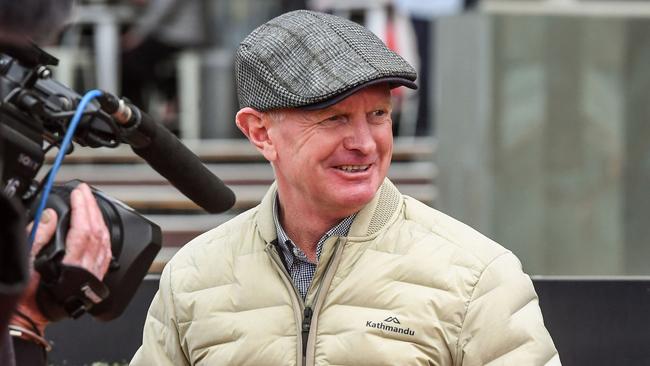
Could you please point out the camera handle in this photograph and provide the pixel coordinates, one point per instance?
(71, 294)
(64, 290)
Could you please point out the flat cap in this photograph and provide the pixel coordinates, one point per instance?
(313, 60)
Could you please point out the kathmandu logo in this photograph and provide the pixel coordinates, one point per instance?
(392, 319)
(383, 325)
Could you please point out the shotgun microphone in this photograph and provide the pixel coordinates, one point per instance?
(167, 155)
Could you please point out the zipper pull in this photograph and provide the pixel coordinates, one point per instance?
(306, 324)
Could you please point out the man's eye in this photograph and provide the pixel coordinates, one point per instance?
(379, 113)
(334, 118)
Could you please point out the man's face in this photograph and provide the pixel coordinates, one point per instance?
(333, 160)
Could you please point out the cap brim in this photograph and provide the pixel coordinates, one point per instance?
(393, 82)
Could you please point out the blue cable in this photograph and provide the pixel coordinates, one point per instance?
(89, 96)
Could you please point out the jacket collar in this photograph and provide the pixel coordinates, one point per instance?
(374, 216)
(265, 221)
(378, 213)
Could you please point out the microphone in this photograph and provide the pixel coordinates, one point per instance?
(167, 155)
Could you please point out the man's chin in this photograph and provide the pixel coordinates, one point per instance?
(356, 196)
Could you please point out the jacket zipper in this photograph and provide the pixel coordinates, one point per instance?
(307, 313)
(296, 297)
(306, 325)
(318, 299)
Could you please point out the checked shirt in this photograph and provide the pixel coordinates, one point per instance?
(299, 267)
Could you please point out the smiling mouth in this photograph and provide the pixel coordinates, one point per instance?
(353, 168)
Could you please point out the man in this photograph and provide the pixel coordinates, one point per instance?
(87, 241)
(335, 266)
(87, 246)
(161, 30)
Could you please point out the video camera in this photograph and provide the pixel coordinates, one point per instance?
(35, 114)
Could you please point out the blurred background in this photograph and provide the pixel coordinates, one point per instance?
(531, 124)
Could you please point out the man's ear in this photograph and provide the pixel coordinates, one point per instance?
(254, 124)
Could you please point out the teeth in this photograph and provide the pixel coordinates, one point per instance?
(353, 168)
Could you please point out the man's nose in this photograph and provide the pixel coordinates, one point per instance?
(359, 136)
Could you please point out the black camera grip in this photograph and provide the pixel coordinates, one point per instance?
(48, 259)
(135, 241)
(74, 292)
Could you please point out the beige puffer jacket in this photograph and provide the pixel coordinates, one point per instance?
(408, 286)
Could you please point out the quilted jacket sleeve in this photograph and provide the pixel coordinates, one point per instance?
(503, 323)
(160, 341)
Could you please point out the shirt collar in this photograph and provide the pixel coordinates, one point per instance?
(290, 250)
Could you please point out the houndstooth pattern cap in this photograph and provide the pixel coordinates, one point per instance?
(309, 59)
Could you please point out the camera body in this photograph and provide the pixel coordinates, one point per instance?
(36, 110)
(135, 241)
